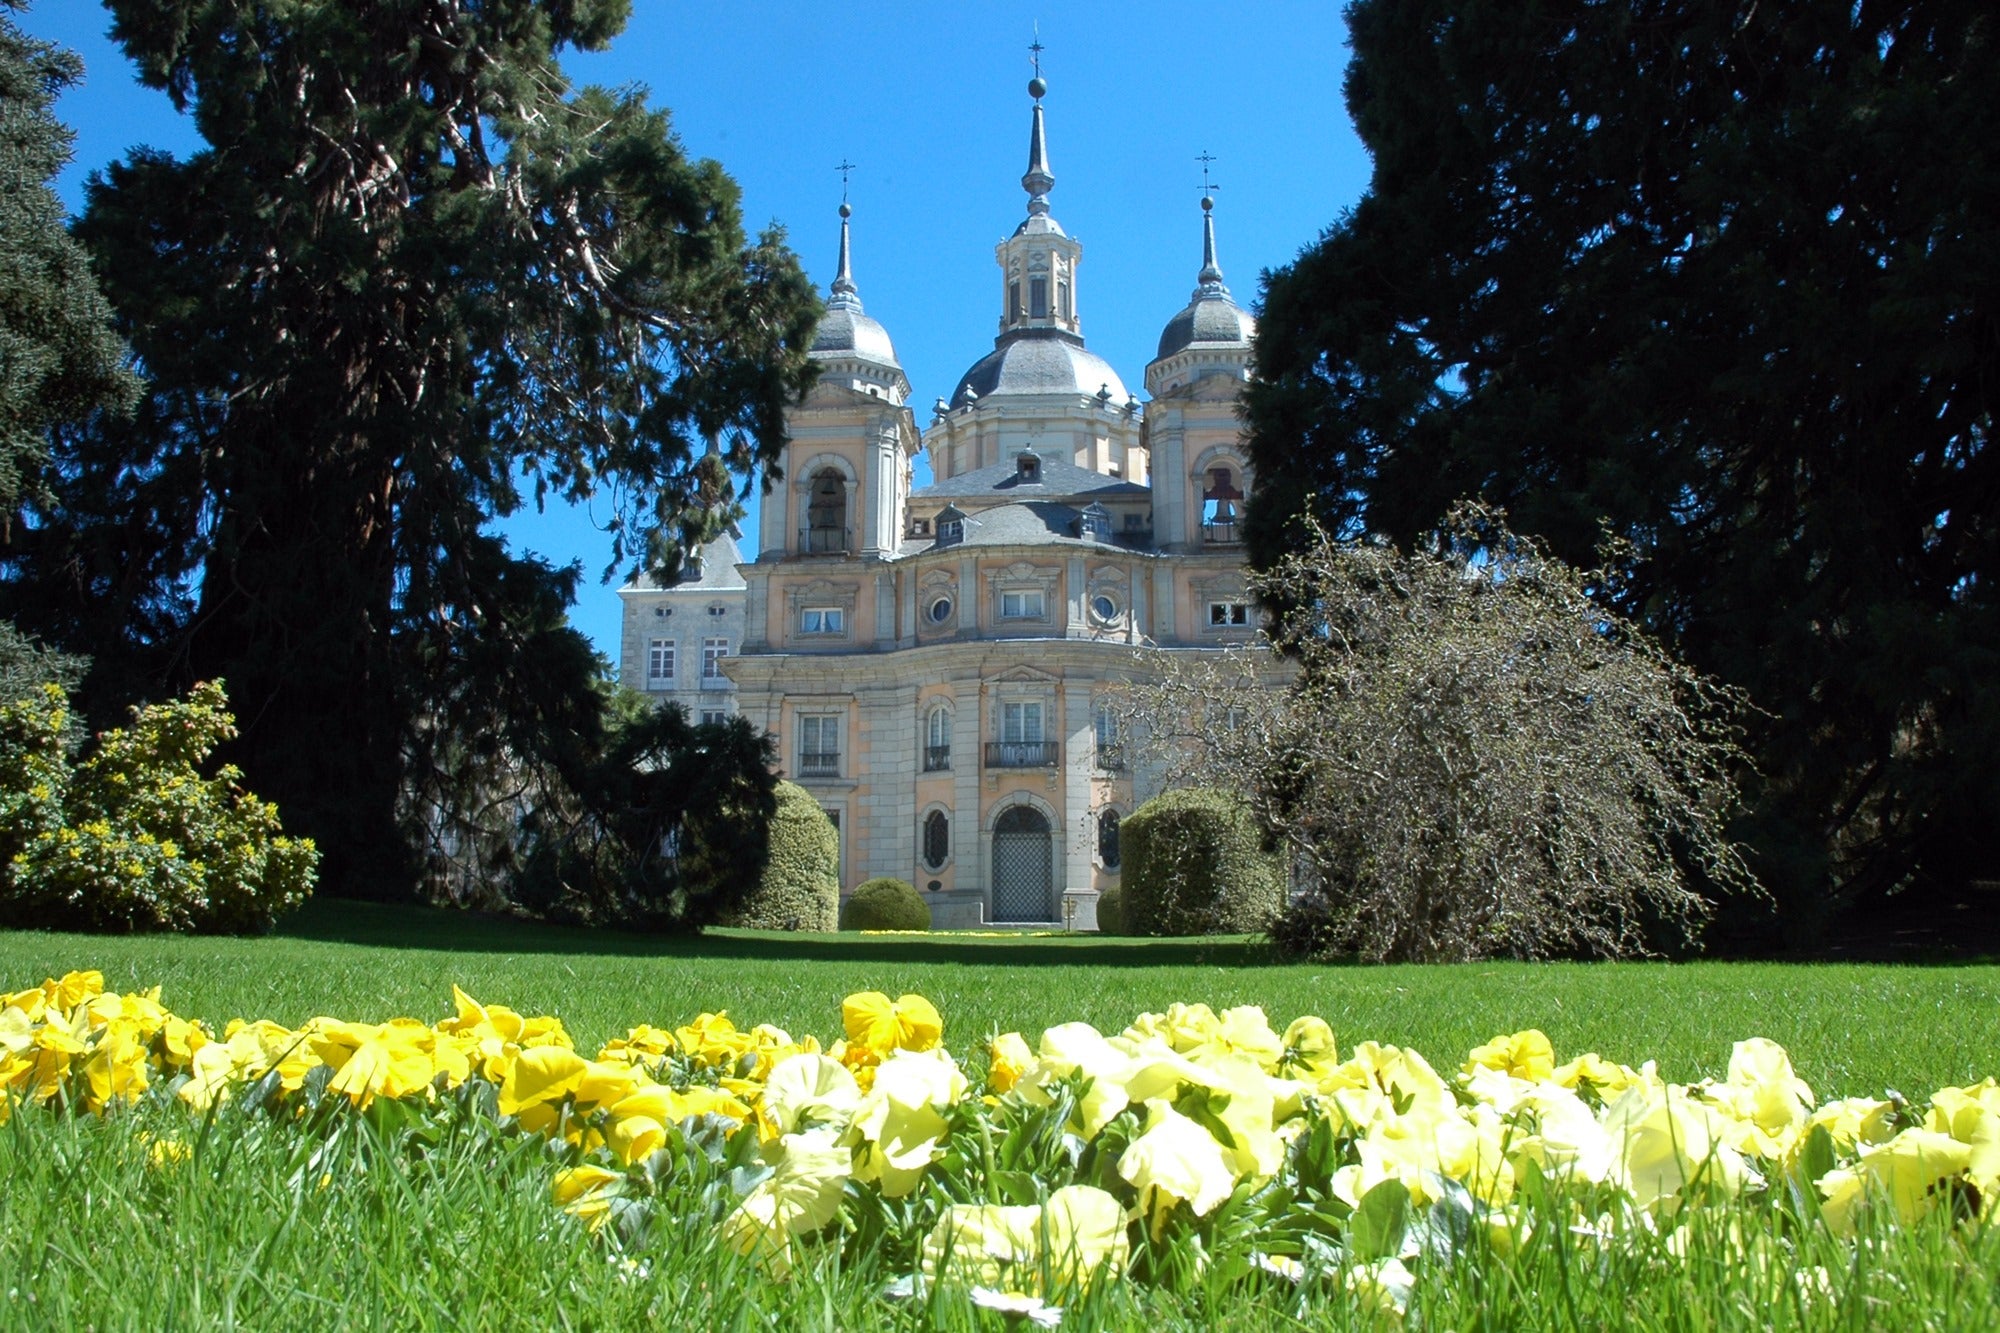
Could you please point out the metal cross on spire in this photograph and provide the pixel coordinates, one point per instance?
(1035, 49)
(844, 168)
(1208, 187)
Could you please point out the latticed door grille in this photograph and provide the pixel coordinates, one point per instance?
(1023, 870)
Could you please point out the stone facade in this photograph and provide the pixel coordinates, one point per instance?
(933, 661)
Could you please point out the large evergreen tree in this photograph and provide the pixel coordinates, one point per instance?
(1725, 279)
(59, 360)
(412, 275)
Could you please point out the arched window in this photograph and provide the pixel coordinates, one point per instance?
(937, 740)
(1221, 504)
(937, 839)
(826, 512)
(1107, 838)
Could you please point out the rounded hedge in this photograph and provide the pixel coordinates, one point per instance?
(1110, 906)
(885, 903)
(1195, 864)
(800, 887)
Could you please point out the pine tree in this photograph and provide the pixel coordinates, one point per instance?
(1724, 279)
(412, 279)
(60, 362)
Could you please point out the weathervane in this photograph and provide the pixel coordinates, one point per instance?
(844, 167)
(1035, 49)
(1208, 187)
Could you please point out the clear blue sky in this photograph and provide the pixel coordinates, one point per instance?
(930, 101)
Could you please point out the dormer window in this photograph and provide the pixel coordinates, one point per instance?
(1097, 522)
(950, 525)
(1028, 468)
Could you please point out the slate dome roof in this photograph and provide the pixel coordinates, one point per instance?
(1038, 361)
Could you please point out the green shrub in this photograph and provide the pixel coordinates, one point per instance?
(1195, 864)
(886, 903)
(133, 837)
(1110, 907)
(800, 887)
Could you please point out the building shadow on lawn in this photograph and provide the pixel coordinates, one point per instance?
(347, 921)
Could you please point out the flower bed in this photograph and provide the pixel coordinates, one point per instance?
(1028, 1173)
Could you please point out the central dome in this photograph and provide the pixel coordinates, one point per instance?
(1037, 362)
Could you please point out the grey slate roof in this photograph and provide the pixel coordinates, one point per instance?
(1001, 481)
(719, 559)
(1208, 321)
(845, 331)
(1029, 523)
(1036, 361)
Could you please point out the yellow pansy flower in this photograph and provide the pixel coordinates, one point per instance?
(1906, 1173)
(1077, 1235)
(1007, 1057)
(808, 1092)
(801, 1195)
(1175, 1161)
(881, 1025)
(1526, 1054)
(539, 1077)
(1668, 1143)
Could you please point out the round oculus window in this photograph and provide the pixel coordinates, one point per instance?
(940, 610)
(1104, 608)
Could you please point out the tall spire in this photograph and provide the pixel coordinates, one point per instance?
(1039, 180)
(1209, 280)
(845, 295)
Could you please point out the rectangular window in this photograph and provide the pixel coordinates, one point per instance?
(1022, 604)
(712, 653)
(1228, 614)
(822, 620)
(819, 745)
(712, 718)
(1020, 722)
(1014, 301)
(1038, 298)
(660, 662)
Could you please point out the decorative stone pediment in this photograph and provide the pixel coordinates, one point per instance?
(1016, 675)
(1228, 586)
(839, 594)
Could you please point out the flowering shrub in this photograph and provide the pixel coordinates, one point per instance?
(133, 837)
(1189, 1139)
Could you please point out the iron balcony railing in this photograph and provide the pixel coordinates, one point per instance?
(1021, 754)
(1219, 534)
(1111, 758)
(819, 764)
(826, 541)
(937, 758)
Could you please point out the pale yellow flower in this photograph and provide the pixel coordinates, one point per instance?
(1175, 1161)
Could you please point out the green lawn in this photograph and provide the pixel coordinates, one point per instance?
(265, 1226)
(1851, 1028)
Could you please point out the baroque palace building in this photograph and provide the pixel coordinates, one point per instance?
(934, 662)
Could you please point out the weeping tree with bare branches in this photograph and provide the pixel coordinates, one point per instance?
(1473, 757)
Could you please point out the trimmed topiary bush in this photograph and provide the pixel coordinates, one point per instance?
(800, 888)
(1195, 864)
(886, 903)
(1110, 907)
